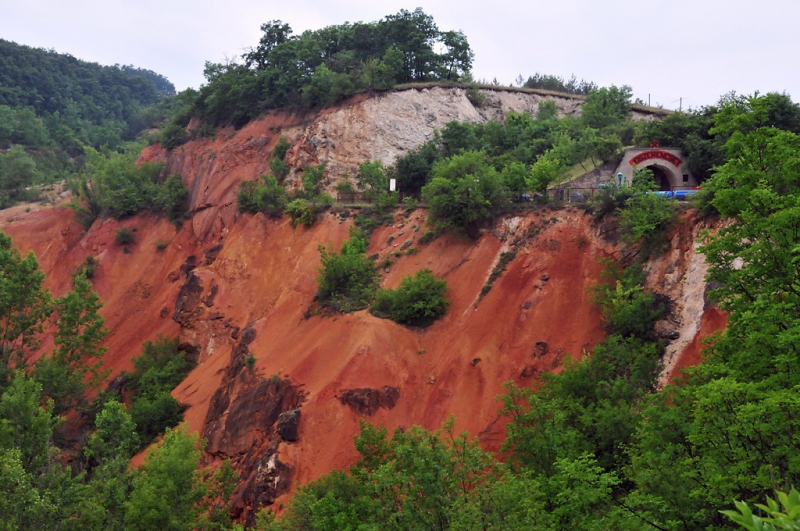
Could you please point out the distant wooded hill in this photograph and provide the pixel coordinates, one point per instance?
(53, 106)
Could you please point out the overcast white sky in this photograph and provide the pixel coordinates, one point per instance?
(668, 49)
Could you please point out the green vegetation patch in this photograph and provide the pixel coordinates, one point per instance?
(347, 279)
(418, 301)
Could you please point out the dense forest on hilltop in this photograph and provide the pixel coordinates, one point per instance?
(318, 68)
(54, 106)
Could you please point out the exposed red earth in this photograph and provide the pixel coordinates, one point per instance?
(249, 290)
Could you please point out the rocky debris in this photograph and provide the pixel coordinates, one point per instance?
(212, 253)
(248, 335)
(246, 422)
(666, 329)
(608, 230)
(266, 479)
(116, 385)
(529, 371)
(367, 401)
(288, 425)
(475, 361)
(208, 300)
(188, 299)
(540, 349)
(406, 245)
(189, 265)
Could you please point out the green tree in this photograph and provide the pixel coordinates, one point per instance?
(457, 58)
(157, 371)
(312, 177)
(109, 449)
(514, 177)
(167, 488)
(347, 279)
(302, 212)
(607, 107)
(544, 172)
(18, 172)
(465, 192)
(416, 479)
(24, 305)
(757, 188)
(170, 198)
(646, 217)
(30, 471)
(413, 169)
(727, 432)
(266, 195)
(372, 179)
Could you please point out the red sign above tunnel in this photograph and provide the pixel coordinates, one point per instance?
(656, 154)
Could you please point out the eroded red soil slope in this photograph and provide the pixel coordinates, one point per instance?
(232, 285)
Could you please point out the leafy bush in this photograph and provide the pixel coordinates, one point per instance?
(646, 217)
(380, 213)
(609, 199)
(627, 309)
(412, 171)
(114, 185)
(783, 517)
(372, 179)
(153, 414)
(558, 84)
(265, 196)
(88, 268)
(170, 198)
(18, 172)
(347, 279)
(281, 148)
(544, 172)
(345, 186)
(475, 96)
(125, 236)
(172, 136)
(427, 237)
(301, 212)
(312, 176)
(418, 301)
(157, 371)
(277, 166)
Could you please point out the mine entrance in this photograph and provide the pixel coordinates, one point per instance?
(661, 177)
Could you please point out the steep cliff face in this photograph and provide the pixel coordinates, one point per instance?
(382, 127)
(237, 287)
